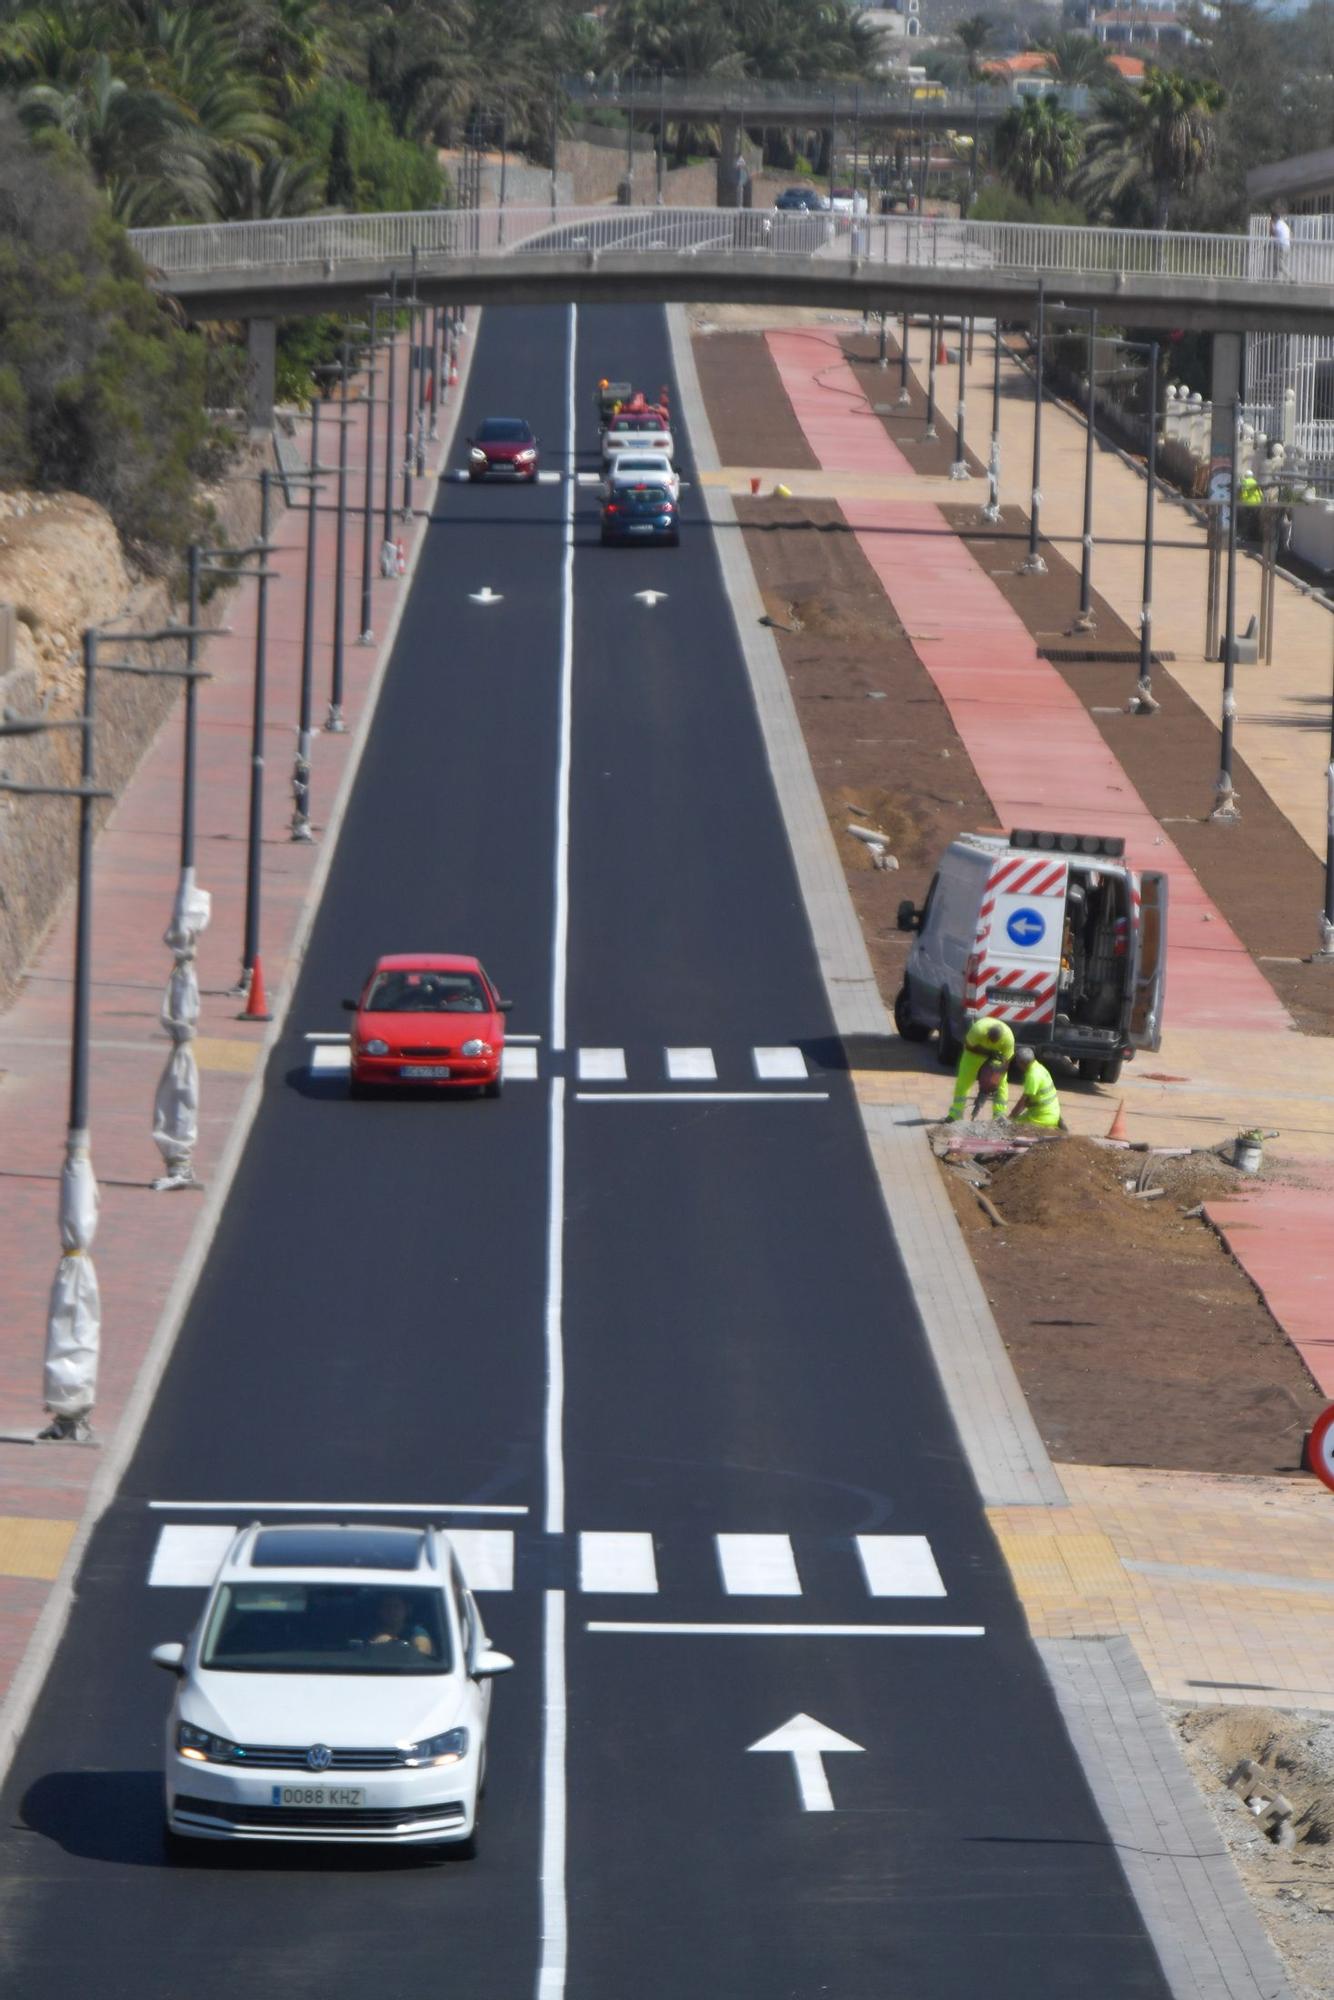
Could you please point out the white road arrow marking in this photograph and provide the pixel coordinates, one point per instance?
(650, 597)
(485, 595)
(808, 1742)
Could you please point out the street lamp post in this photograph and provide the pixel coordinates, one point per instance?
(1085, 620)
(992, 512)
(959, 469)
(301, 767)
(1033, 565)
(259, 695)
(74, 1312)
(410, 414)
(1325, 952)
(630, 144)
(905, 396)
(366, 636)
(934, 338)
(662, 131)
(1226, 809)
(333, 722)
(388, 547)
(1142, 701)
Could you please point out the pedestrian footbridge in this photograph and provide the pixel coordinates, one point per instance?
(527, 256)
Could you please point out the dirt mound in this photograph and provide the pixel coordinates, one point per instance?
(1069, 1184)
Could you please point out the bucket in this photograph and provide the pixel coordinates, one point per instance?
(1247, 1152)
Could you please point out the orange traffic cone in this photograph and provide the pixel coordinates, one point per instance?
(941, 356)
(400, 559)
(1117, 1128)
(754, 482)
(256, 1002)
(453, 372)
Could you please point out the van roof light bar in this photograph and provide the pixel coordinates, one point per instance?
(1110, 846)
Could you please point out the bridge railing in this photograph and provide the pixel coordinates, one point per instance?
(305, 244)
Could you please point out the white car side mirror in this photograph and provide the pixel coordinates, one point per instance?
(171, 1656)
(490, 1662)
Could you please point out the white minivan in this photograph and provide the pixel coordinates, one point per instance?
(1052, 932)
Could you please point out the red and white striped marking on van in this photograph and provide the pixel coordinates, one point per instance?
(1004, 980)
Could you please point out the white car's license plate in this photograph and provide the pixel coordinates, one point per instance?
(424, 1069)
(331, 1798)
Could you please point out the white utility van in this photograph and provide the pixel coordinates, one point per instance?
(1051, 932)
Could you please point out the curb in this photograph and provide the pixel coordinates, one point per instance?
(30, 1674)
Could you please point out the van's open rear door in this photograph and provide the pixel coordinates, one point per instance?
(1150, 964)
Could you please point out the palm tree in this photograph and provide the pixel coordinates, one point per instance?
(137, 142)
(1078, 62)
(972, 35)
(246, 190)
(1037, 147)
(1167, 127)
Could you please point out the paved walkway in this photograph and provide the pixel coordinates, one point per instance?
(147, 1243)
(1230, 1057)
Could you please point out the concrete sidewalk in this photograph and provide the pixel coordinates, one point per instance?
(149, 1245)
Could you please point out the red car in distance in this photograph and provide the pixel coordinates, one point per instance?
(428, 1019)
(504, 445)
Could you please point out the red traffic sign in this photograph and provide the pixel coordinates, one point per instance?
(1320, 1447)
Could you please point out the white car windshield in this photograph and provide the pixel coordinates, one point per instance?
(278, 1627)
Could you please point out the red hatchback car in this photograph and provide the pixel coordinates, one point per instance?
(428, 1018)
(503, 445)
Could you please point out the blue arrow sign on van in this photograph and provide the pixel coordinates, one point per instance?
(1026, 927)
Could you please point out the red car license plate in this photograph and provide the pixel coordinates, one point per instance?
(428, 1070)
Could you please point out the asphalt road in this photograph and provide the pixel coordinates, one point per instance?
(723, 1345)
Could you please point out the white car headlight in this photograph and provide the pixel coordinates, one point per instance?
(528, 453)
(475, 1047)
(375, 1047)
(475, 455)
(451, 1748)
(202, 1747)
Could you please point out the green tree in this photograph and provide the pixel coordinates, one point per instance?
(1038, 147)
(340, 188)
(1166, 129)
(973, 34)
(1076, 61)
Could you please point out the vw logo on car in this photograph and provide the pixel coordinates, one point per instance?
(319, 1757)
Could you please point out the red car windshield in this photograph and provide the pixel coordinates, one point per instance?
(427, 993)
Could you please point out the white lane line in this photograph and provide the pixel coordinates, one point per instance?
(351, 1508)
(602, 1065)
(691, 1065)
(899, 1566)
(519, 1065)
(327, 1059)
(758, 1566)
(555, 1918)
(554, 1440)
(560, 927)
(520, 1038)
(779, 1065)
(189, 1558)
(620, 1563)
(787, 1631)
(486, 1556)
(701, 1096)
(550, 478)
(343, 1039)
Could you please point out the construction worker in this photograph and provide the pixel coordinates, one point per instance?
(987, 1041)
(1039, 1104)
(1250, 499)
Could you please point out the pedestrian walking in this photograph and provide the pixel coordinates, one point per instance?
(1040, 1104)
(988, 1042)
(1280, 235)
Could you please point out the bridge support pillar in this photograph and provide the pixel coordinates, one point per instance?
(731, 168)
(261, 372)
(1225, 389)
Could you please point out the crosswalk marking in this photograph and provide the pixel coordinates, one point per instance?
(691, 1065)
(778, 1065)
(186, 1556)
(189, 1558)
(602, 1065)
(486, 1556)
(758, 1566)
(519, 1065)
(899, 1566)
(623, 1563)
(329, 1059)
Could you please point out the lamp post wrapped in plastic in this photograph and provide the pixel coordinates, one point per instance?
(176, 1103)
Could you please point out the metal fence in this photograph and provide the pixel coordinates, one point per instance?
(1028, 249)
(1299, 363)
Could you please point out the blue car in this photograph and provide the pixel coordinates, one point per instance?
(807, 198)
(640, 514)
